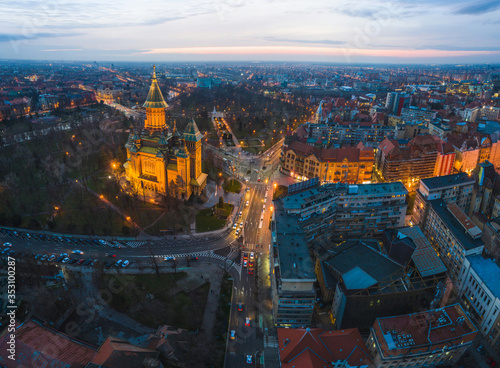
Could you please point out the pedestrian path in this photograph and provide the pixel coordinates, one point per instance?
(270, 342)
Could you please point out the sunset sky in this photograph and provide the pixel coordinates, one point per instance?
(401, 31)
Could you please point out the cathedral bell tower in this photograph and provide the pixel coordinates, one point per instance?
(155, 107)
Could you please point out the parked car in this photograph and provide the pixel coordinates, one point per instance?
(95, 262)
(73, 261)
(80, 261)
(52, 257)
(125, 263)
(43, 258)
(59, 259)
(65, 260)
(118, 263)
(64, 255)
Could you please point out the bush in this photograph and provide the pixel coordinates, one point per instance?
(16, 220)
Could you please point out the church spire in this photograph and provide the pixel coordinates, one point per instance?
(155, 99)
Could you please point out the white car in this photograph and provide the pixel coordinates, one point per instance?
(125, 263)
(233, 334)
(76, 251)
(51, 258)
(65, 260)
(246, 204)
(7, 244)
(252, 256)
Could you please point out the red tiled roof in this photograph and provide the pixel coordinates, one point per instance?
(317, 348)
(352, 154)
(115, 352)
(38, 345)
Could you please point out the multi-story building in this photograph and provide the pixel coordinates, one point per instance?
(396, 101)
(335, 211)
(479, 292)
(364, 282)
(317, 348)
(490, 113)
(424, 339)
(414, 161)
(491, 237)
(292, 273)
(413, 113)
(348, 165)
(348, 133)
(367, 210)
(456, 188)
(452, 234)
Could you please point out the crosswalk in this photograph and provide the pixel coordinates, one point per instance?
(135, 244)
(207, 254)
(270, 342)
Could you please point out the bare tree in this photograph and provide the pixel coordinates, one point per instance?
(154, 263)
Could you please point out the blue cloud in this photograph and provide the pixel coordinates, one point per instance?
(479, 8)
(8, 37)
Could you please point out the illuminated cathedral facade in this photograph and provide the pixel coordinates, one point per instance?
(160, 160)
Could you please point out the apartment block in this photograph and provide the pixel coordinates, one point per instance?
(479, 293)
(452, 234)
(336, 211)
(425, 339)
(456, 188)
(397, 161)
(365, 281)
(292, 272)
(348, 165)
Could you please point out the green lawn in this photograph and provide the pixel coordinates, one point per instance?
(233, 186)
(184, 309)
(206, 220)
(281, 190)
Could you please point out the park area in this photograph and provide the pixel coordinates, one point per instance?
(169, 298)
(213, 218)
(232, 185)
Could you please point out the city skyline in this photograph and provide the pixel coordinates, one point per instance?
(223, 30)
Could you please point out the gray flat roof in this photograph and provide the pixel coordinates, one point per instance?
(439, 206)
(488, 271)
(295, 261)
(374, 264)
(425, 257)
(447, 181)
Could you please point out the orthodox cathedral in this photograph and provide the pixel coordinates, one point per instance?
(160, 160)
